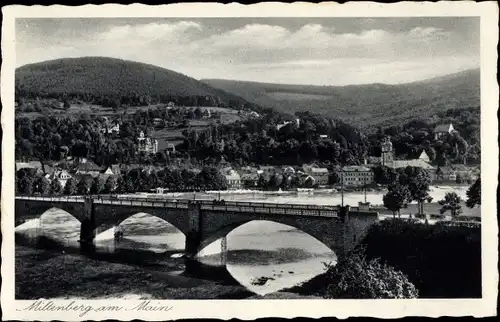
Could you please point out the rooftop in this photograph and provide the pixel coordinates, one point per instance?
(443, 127)
(412, 163)
(353, 168)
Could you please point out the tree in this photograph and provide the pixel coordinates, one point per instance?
(66, 104)
(120, 185)
(83, 186)
(356, 277)
(451, 202)
(333, 178)
(474, 194)
(42, 185)
(262, 182)
(26, 185)
(71, 187)
(417, 180)
(212, 179)
(56, 187)
(396, 198)
(97, 186)
(110, 185)
(198, 113)
(274, 181)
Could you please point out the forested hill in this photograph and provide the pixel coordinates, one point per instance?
(365, 105)
(101, 79)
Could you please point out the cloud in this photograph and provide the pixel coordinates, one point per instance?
(427, 32)
(150, 31)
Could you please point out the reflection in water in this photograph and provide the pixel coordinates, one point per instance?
(266, 257)
(262, 256)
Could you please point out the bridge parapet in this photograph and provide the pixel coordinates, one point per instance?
(54, 199)
(228, 206)
(251, 209)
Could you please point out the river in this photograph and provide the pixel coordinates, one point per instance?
(262, 256)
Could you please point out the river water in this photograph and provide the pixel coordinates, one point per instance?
(263, 256)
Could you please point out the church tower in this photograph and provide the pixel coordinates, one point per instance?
(387, 156)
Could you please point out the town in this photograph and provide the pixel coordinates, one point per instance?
(76, 174)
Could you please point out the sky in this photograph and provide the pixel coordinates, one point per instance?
(316, 51)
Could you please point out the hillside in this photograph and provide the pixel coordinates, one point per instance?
(365, 105)
(100, 76)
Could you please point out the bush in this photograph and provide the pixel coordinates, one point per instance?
(356, 277)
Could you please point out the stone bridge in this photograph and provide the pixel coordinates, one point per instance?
(339, 228)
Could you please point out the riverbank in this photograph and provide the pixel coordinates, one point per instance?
(75, 276)
(324, 197)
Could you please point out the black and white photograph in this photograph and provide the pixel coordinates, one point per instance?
(247, 158)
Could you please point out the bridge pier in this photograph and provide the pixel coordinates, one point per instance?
(88, 227)
(223, 251)
(193, 238)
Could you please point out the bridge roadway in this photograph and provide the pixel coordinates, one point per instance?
(226, 206)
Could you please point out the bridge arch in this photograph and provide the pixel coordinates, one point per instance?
(327, 230)
(109, 215)
(320, 234)
(32, 209)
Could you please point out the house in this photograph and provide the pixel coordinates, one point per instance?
(233, 180)
(113, 170)
(158, 121)
(207, 113)
(62, 175)
(356, 176)
(110, 127)
(248, 169)
(88, 167)
(249, 180)
(318, 173)
(306, 180)
(442, 130)
(170, 148)
(321, 175)
(457, 171)
(446, 174)
(146, 144)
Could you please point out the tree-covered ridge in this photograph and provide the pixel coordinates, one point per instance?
(317, 138)
(114, 82)
(258, 140)
(365, 105)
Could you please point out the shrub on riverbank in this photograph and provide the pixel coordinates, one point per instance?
(442, 261)
(356, 277)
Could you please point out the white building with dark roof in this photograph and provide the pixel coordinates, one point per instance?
(356, 176)
(146, 144)
(442, 130)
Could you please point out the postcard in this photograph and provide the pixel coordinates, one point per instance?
(203, 160)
